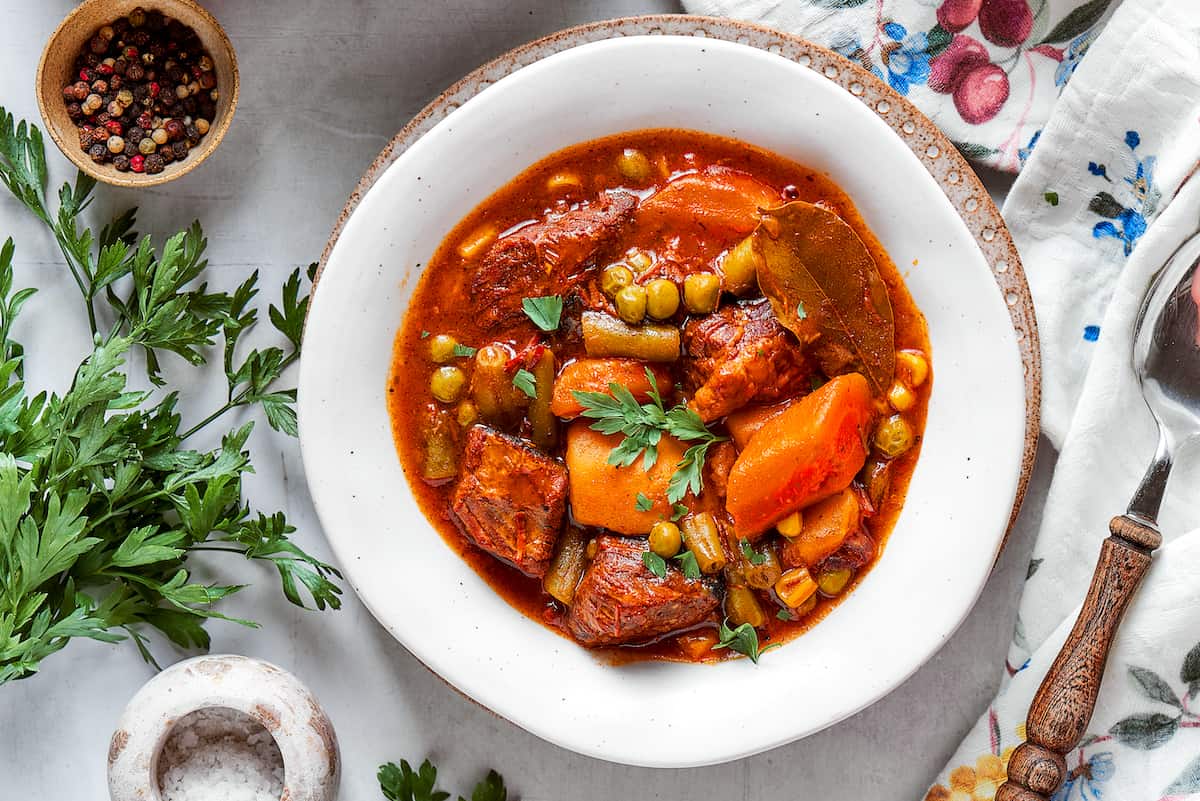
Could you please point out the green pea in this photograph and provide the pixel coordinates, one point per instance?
(631, 304)
(662, 298)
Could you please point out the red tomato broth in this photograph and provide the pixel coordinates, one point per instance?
(437, 308)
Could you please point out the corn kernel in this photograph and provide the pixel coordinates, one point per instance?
(901, 397)
(791, 525)
(914, 363)
(795, 586)
(477, 242)
(563, 181)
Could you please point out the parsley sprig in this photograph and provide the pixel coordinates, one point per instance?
(402, 783)
(102, 498)
(743, 640)
(643, 424)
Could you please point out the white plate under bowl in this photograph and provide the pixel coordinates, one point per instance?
(663, 714)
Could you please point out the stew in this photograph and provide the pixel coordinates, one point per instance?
(664, 391)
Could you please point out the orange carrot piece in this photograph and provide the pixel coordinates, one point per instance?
(594, 375)
(827, 524)
(606, 495)
(809, 452)
(719, 198)
(745, 423)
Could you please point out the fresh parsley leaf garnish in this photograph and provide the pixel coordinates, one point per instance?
(801, 312)
(643, 504)
(654, 563)
(103, 500)
(689, 565)
(424, 335)
(402, 783)
(524, 381)
(464, 351)
(752, 556)
(679, 512)
(643, 424)
(545, 312)
(743, 640)
(784, 614)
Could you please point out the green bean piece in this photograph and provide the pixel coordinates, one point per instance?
(763, 575)
(604, 335)
(703, 539)
(441, 445)
(565, 571)
(543, 422)
(496, 399)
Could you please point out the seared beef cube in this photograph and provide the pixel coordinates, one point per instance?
(547, 258)
(741, 354)
(620, 601)
(511, 499)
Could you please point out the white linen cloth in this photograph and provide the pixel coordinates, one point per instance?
(1102, 200)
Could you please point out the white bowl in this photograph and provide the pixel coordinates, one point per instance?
(664, 714)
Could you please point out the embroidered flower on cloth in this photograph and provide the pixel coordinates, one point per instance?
(906, 57)
(1126, 221)
(1086, 780)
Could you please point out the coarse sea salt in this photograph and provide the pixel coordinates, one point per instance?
(220, 754)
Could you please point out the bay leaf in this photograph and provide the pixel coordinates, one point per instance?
(825, 288)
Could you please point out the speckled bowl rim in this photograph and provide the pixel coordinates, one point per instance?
(132, 180)
(953, 174)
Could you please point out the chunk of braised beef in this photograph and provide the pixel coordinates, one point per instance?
(511, 499)
(620, 601)
(740, 354)
(854, 554)
(549, 257)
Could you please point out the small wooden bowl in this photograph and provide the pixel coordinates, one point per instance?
(56, 70)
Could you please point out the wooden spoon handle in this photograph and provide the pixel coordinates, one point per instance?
(1062, 708)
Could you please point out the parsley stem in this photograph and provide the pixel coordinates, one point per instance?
(74, 268)
(238, 400)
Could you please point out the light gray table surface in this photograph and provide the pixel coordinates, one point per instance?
(324, 85)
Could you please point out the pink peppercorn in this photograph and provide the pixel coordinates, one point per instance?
(138, 163)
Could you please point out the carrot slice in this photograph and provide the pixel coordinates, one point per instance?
(719, 198)
(594, 375)
(809, 452)
(827, 524)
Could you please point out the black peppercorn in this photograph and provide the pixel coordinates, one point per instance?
(120, 66)
(192, 133)
(121, 162)
(175, 74)
(91, 59)
(131, 149)
(135, 72)
(135, 134)
(103, 117)
(116, 81)
(98, 45)
(154, 164)
(167, 99)
(74, 110)
(167, 154)
(190, 106)
(98, 153)
(180, 149)
(139, 38)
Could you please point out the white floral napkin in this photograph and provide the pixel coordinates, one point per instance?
(1103, 198)
(986, 71)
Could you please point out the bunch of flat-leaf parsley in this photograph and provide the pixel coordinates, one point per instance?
(101, 499)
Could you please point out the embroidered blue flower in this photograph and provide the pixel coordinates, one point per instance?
(1091, 333)
(907, 64)
(1089, 779)
(1023, 153)
(1073, 55)
(848, 44)
(1126, 221)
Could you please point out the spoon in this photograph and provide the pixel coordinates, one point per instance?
(1166, 357)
